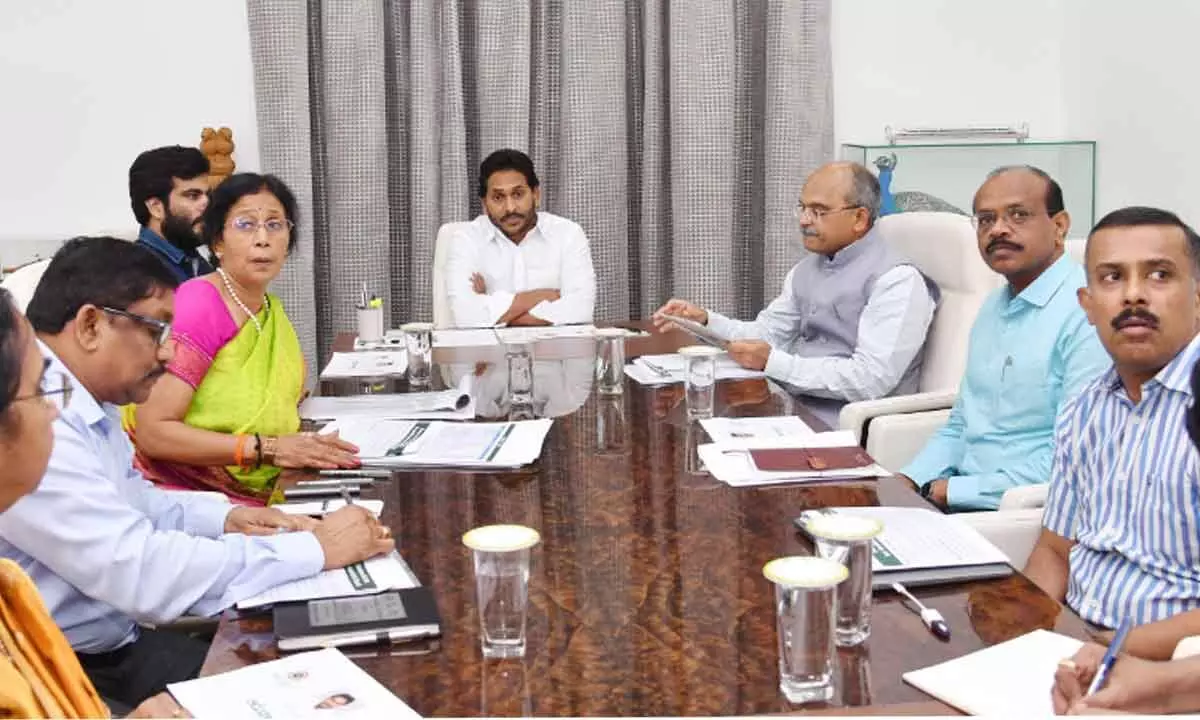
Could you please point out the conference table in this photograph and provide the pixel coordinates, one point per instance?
(646, 592)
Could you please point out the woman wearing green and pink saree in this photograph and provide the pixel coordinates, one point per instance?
(225, 416)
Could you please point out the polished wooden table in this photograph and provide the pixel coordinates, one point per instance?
(646, 593)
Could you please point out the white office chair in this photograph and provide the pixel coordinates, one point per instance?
(443, 315)
(943, 246)
(23, 281)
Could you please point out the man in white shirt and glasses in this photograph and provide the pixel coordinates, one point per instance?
(516, 264)
(852, 319)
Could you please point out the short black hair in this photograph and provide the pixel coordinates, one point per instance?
(1054, 196)
(506, 159)
(151, 173)
(234, 188)
(11, 352)
(1142, 216)
(100, 271)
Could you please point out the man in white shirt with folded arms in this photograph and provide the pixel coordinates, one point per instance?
(514, 264)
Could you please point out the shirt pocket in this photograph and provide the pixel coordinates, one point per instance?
(1028, 395)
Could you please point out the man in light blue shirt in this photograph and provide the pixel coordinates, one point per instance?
(105, 548)
(1031, 349)
(1121, 535)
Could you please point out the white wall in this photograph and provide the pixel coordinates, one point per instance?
(88, 84)
(1129, 82)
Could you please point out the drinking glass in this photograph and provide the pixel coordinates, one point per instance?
(701, 379)
(805, 609)
(501, 555)
(610, 361)
(520, 373)
(418, 336)
(848, 539)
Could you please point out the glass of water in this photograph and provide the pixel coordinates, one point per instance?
(502, 558)
(520, 373)
(701, 379)
(418, 336)
(805, 602)
(610, 361)
(848, 539)
(612, 428)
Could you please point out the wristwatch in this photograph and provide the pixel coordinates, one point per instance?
(927, 490)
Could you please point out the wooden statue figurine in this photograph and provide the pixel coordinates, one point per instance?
(217, 146)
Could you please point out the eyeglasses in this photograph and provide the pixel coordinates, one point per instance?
(250, 226)
(817, 212)
(55, 391)
(1013, 216)
(162, 330)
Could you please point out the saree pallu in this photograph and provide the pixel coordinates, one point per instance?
(250, 385)
(40, 677)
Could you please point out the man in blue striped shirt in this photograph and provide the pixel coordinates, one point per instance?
(1122, 525)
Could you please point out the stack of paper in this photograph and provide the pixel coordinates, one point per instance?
(317, 684)
(400, 443)
(672, 368)
(455, 404)
(385, 572)
(1012, 679)
(729, 461)
(367, 364)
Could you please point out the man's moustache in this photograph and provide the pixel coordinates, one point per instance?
(1134, 314)
(1002, 243)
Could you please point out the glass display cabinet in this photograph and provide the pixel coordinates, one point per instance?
(945, 176)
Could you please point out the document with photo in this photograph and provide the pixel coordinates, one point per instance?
(385, 572)
(323, 684)
(367, 364)
(401, 443)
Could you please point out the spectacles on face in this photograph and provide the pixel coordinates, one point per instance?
(162, 329)
(1014, 217)
(818, 212)
(250, 226)
(55, 391)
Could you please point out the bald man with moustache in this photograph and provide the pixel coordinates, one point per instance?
(853, 316)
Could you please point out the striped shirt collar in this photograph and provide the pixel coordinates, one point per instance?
(1175, 376)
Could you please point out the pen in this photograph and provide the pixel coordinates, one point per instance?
(1110, 658)
(932, 618)
(346, 494)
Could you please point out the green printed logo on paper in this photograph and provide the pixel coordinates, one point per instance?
(883, 556)
(360, 579)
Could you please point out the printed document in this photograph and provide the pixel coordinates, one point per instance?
(319, 684)
(385, 572)
(454, 404)
(544, 332)
(367, 364)
(318, 508)
(399, 443)
(723, 429)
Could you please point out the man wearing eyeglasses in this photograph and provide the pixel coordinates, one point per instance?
(852, 319)
(108, 551)
(1031, 350)
(168, 191)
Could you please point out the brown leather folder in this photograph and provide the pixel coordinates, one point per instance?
(810, 459)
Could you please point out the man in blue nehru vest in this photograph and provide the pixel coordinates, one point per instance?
(852, 319)
(168, 191)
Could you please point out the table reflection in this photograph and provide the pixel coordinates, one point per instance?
(560, 387)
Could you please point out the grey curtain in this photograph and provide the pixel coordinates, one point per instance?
(676, 132)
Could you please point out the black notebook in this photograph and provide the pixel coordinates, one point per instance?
(388, 617)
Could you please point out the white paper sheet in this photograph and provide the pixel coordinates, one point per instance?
(455, 404)
(318, 684)
(385, 572)
(466, 337)
(672, 368)
(915, 538)
(727, 429)
(730, 462)
(401, 443)
(328, 505)
(371, 363)
(698, 331)
(544, 332)
(1009, 680)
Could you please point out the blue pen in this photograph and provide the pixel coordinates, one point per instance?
(1110, 658)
